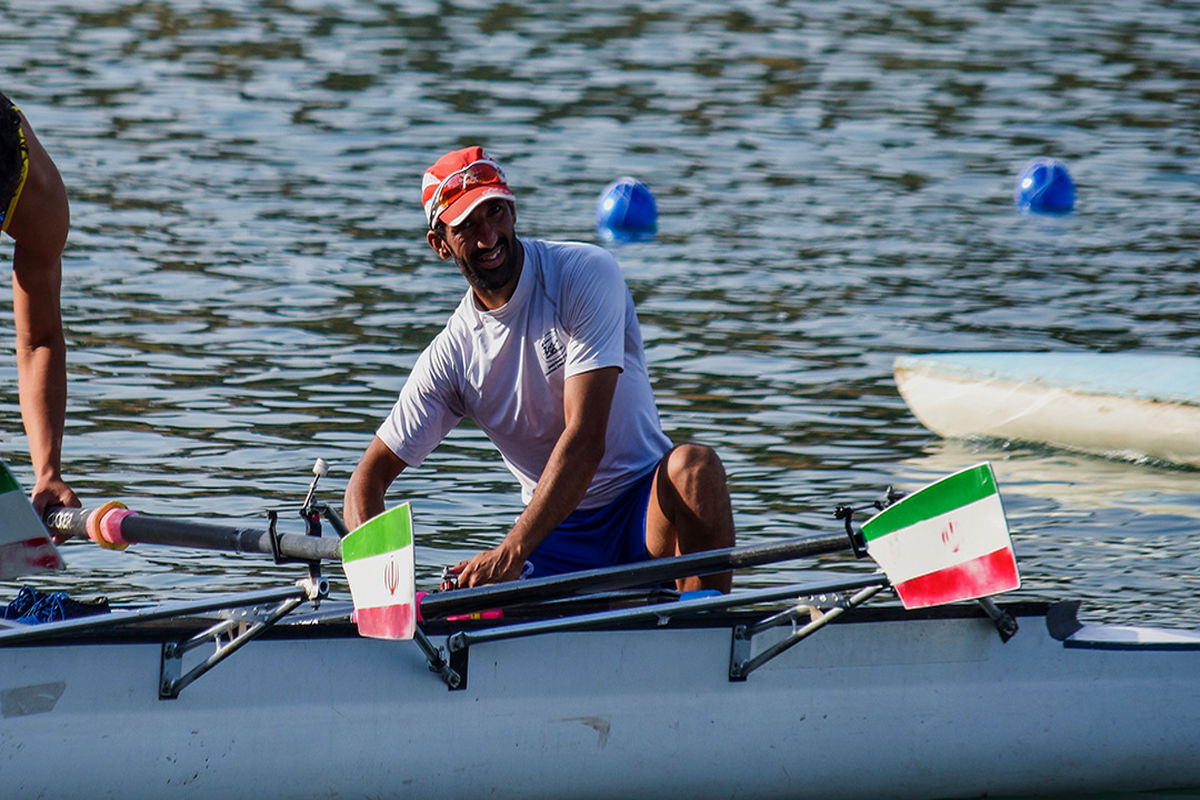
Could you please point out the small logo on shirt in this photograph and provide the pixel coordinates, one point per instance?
(551, 352)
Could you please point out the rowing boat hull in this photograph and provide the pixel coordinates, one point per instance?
(881, 707)
(1114, 404)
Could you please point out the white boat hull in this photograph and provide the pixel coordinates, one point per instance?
(903, 708)
(1115, 405)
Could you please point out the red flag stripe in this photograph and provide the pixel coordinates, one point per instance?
(386, 622)
(35, 553)
(989, 574)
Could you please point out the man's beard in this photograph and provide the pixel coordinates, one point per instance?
(489, 280)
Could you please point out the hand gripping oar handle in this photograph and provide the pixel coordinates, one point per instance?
(163, 530)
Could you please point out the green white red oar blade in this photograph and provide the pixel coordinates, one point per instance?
(378, 560)
(25, 545)
(947, 542)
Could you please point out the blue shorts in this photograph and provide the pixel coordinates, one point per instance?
(597, 537)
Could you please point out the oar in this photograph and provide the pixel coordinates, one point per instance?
(945, 543)
(378, 562)
(646, 573)
(119, 526)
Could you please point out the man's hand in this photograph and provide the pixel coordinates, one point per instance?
(491, 566)
(50, 493)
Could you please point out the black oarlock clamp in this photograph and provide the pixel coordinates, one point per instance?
(311, 512)
(846, 513)
(857, 543)
(273, 535)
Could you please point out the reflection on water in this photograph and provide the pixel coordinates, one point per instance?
(1078, 483)
(247, 282)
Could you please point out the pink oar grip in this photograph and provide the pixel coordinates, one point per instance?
(110, 526)
(98, 527)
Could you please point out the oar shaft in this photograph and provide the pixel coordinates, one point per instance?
(149, 529)
(461, 601)
(181, 533)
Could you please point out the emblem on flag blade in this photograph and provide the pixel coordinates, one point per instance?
(948, 537)
(391, 576)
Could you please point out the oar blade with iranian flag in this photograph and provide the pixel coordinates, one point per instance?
(947, 542)
(377, 557)
(25, 545)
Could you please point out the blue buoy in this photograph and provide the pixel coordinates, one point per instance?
(1045, 187)
(627, 211)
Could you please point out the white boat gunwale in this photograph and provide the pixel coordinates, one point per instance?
(334, 622)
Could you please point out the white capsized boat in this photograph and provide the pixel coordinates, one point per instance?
(592, 686)
(1127, 405)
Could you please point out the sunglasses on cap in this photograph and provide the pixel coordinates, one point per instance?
(456, 184)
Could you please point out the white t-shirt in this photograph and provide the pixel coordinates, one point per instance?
(571, 313)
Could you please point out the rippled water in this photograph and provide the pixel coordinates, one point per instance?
(247, 283)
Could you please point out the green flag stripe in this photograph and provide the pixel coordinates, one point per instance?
(949, 493)
(7, 482)
(384, 533)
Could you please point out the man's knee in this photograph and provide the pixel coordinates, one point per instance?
(695, 466)
(701, 512)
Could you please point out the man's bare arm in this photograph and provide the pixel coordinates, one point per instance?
(39, 225)
(367, 487)
(587, 401)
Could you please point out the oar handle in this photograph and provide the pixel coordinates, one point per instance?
(150, 529)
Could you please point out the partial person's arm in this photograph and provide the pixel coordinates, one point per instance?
(365, 492)
(587, 401)
(39, 226)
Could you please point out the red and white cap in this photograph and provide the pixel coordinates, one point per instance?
(459, 181)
